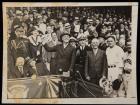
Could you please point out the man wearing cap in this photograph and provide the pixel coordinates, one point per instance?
(30, 20)
(19, 47)
(16, 21)
(41, 26)
(96, 63)
(65, 54)
(73, 42)
(115, 57)
(67, 28)
(76, 25)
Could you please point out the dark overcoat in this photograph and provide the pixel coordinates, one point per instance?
(65, 57)
(96, 65)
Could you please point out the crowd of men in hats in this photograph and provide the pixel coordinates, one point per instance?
(93, 42)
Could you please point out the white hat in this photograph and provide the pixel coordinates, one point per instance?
(18, 12)
(67, 25)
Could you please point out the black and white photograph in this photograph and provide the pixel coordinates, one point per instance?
(69, 52)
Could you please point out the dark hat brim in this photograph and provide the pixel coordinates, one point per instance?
(63, 35)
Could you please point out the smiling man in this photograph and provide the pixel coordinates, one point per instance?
(96, 63)
(65, 54)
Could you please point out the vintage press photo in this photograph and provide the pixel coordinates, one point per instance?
(69, 52)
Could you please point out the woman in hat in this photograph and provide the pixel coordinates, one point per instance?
(36, 52)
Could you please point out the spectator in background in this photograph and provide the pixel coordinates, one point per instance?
(52, 55)
(16, 21)
(102, 44)
(46, 38)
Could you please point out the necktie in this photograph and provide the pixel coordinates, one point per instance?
(21, 70)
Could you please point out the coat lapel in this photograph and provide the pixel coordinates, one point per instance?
(92, 56)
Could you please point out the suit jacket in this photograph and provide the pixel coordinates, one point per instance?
(96, 66)
(27, 72)
(65, 57)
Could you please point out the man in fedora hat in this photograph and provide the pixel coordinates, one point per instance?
(65, 54)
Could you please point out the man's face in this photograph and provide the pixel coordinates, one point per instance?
(19, 16)
(30, 15)
(122, 42)
(73, 44)
(66, 38)
(20, 61)
(49, 29)
(35, 33)
(95, 43)
(111, 42)
(20, 32)
(97, 22)
(60, 24)
(117, 31)
(54, 36)
(114, 19)
(82, 42)
(110, 19)
(122, 26)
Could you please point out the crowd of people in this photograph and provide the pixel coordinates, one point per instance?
(92, 42)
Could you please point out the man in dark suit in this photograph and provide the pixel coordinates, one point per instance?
(21, 69)
(81, 53)
(96, 63)
(65, 54)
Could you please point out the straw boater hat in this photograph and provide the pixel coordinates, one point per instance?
(67, 25)
(76, 18)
